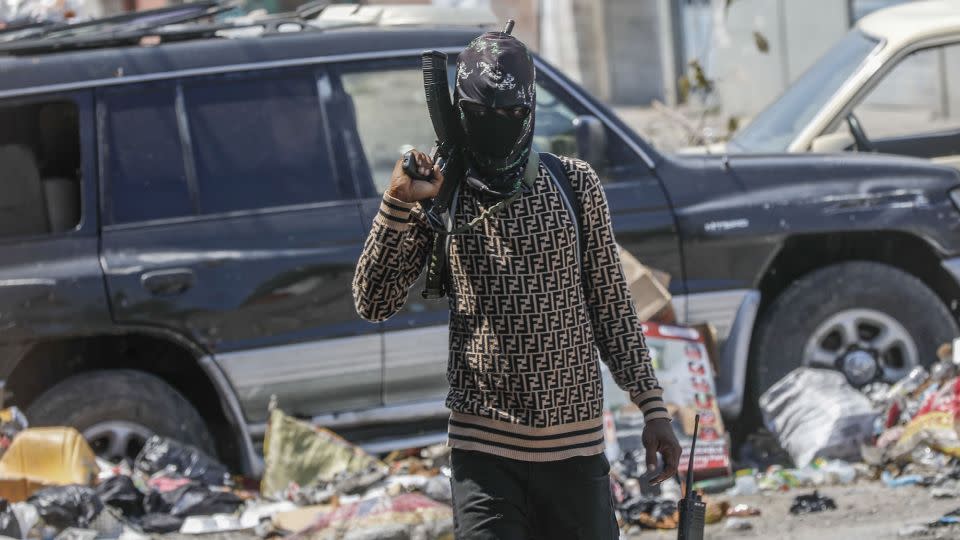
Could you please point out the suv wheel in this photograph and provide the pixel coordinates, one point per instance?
(868, 320)
(118, 410)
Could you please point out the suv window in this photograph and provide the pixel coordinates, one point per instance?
(258, 141)
(143, 155)
(921, 94)
(40, 164)
(390, 113)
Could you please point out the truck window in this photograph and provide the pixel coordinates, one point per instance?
(920, 95)
(387, 105)
(40, 164)
(258, 141)
(142, 154)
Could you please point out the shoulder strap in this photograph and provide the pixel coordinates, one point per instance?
(560, 177)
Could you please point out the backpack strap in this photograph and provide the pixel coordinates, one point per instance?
(570, 198)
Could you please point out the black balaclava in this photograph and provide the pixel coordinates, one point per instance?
(496, 70)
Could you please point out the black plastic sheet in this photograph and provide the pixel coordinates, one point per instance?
(160, 454)
(120, 492)
(812, 502)
(67, 506)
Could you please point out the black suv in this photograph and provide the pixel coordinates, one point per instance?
(181, 223)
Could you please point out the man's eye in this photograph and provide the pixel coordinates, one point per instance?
(519, 112)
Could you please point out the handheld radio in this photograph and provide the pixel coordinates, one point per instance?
(692, 509)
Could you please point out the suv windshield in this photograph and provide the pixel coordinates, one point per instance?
(776, 126)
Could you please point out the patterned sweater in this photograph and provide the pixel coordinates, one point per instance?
(524, 378)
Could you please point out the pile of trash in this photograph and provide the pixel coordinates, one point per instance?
(315, 485)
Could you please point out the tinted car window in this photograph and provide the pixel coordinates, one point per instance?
(391, 116)
(143, 155)
(388, 107)
(258, 142)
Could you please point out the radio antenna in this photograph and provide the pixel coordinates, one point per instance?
(693, 446)
(509, 27)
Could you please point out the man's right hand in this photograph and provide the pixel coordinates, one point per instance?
(409, 190)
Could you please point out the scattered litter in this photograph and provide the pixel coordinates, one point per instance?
(12, 422)
(299, 518)
(75, 533)
(161, 454)
(211, 524)
(296, 452)
(650, 511)
(67, 506)
(160, 523)
(43, 457)
(944, 493)
(810, 503)
(121, 493)
(738, 524)
(743, 510)
(256, 513)
(816, 413)
(900, 481)
(14, 522)
(410, 515)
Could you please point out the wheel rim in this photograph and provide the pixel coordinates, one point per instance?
(864, 344)
(116, 440)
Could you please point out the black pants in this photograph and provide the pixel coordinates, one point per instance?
(496, 498)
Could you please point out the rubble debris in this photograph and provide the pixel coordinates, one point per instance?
(650, 511)
(812, 502)
(816, 413)
(933, 425)
(211, 524)
(161, 454)
(67, 506)
(43, 457)
(160, 523)
(300, 518)
(296, 452)
(15, 520)
(12, 422)
(409, 515)
(193, 499)
(743, 510)
(121, 493)
(738, 524)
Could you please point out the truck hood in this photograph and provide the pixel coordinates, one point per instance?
(850, 179)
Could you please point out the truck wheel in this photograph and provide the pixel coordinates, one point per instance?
(870, 321)
(118, 410)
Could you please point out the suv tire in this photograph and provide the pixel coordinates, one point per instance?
(796, 316)
(110, 405)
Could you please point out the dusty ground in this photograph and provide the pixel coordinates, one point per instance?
(866, 510)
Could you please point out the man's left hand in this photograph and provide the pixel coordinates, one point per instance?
(658, 437)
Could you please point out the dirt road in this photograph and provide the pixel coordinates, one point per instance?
(866, 510)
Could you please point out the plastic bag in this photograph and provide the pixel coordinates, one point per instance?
(816, 413)
(121, 493)
(192, 500)
(67, 506)
(159, 453)
(813, 502)
(160, 523)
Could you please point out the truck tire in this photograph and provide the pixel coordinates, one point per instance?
(893, 317)
(117, 410)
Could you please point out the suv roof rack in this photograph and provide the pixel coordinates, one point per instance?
(126, 28)
(197, 20)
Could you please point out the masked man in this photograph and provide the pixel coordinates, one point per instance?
(528, 308)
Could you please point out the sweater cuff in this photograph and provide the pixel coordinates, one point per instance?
(394, 213)
(652, 405)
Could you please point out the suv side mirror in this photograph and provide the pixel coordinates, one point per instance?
(591, 138)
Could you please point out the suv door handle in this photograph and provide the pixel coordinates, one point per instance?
(168, 282)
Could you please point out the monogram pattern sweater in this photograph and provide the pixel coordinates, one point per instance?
(527, 318)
